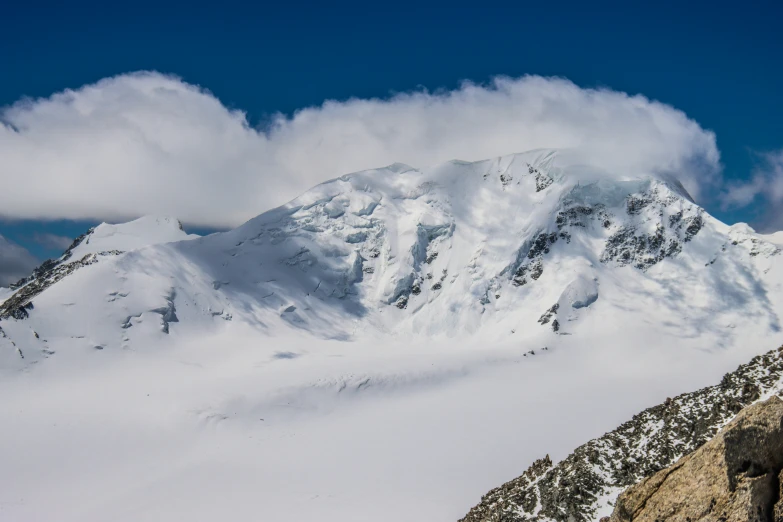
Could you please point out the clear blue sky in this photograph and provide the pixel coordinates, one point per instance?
(720, 63)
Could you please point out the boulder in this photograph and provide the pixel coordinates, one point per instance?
(735, 477)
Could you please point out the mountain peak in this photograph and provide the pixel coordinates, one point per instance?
(138, 233)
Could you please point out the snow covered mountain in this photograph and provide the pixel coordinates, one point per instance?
(103, 241)
(399, 327)
(503, 247)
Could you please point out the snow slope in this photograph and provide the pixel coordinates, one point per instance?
(775, 238)
(388, 346)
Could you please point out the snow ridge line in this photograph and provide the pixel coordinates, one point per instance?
(17, 305)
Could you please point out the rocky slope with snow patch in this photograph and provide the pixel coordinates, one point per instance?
(584, 486)
(103, 241)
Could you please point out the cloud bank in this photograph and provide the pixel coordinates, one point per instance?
(147, 143)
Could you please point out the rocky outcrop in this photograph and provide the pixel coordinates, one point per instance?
(657, 225)
(549, 315)
(735, 477)
(543, 181)
(50, 264)
(638, 245)
(533, 264)
(582, 487)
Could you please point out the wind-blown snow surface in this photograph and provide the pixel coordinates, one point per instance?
(388, 346)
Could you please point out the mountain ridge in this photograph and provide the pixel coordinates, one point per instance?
(461, 247)
(464, 319)
(583, 486)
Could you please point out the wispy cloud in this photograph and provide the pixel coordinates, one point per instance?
(52, 241)
(147, 143)
(764, 189)
(15, 262)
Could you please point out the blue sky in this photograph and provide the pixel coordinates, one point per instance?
(717, 63)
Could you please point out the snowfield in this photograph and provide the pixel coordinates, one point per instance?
(389, 346)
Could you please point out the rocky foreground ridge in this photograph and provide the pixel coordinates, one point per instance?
(584, 486)
(735, 477)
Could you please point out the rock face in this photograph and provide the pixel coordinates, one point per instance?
(50, 264)
(584, 485)
(733, 478)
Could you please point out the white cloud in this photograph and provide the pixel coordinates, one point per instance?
(146, 143)
(15, 262)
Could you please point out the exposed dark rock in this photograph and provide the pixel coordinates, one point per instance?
(533, 266)
(549, 316)
(755, 246)
(573, 216)
(439, 284)
(627, 246)
(693, 226)
(635, 204)
(630, 244)
(579, 215)
(50, 264)
(536, 269)
(424, 252)
(541, 245)
(634, 243)
(21, 312)
(20, 302)
(542, 180)
(504, 501)
(571, 491)
(168, 313)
